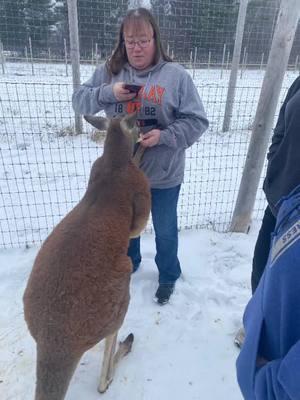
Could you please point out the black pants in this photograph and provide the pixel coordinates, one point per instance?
(262, 248)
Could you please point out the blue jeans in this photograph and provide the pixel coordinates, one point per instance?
(164, 217)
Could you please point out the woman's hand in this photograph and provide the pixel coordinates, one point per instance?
(122, 94)
(150, 138)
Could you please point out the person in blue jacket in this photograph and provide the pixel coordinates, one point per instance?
(283, 174)
(268, 367)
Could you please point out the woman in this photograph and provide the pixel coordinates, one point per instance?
(171, 116)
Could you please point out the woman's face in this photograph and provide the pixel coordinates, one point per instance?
(140, 44)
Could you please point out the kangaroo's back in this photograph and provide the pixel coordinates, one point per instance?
(78, 290)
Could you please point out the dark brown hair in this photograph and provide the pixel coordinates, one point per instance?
(119, 56)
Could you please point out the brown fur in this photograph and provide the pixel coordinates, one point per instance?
(78, 290)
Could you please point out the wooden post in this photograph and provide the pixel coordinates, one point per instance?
(227, 61)
(2, 58)
(296, 63)
(26, 54)
(209, 60)
(262, 61)
(223, 60)
(66, 56)
(243, 62)
(235, 64)
(286, 26)
(31, 55)
(96, 54)
(195, 60)
(74, 54)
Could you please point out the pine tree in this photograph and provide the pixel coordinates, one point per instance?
(60, 31)
(39, 19)
(21, 19)
(12, 24)
(99, 21)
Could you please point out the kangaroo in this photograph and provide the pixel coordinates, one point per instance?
(78, 290)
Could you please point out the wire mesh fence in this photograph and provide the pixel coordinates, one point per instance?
(45, 166)
(199, 32)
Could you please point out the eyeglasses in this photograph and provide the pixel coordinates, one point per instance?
(143, 43)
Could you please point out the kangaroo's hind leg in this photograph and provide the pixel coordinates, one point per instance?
(111, 358)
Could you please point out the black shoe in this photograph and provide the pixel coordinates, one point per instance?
(164, 292)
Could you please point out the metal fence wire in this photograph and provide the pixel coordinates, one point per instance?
(201, 31)
(44, 165)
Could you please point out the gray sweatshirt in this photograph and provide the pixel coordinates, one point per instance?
(168, 101)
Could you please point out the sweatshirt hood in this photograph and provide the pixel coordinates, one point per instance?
(144, 72)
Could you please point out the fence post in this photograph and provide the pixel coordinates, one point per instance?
(235, 64)
(74, 54)
(209, 60)
(66, 56)
(2, 58)
(223, 60)
(195, 60)
(287, 22)
(243, 62)
(26, 54)
(262, 61)
(31, 55)
(227, 60)
(96, 54)
(296, 63)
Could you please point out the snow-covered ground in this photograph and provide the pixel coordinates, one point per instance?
(182, 351)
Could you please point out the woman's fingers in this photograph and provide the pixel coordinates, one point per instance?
(121, 93)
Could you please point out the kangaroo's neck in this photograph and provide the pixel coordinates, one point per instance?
(118, 149)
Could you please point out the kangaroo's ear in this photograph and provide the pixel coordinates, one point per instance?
(98, 122)
(129, 122)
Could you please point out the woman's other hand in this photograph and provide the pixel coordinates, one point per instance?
(122, 94)
(150, 138)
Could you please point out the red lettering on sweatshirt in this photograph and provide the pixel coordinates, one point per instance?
(160, 92)
(133, 106)
(153, 95)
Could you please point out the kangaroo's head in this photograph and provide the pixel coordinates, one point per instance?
(117, 129)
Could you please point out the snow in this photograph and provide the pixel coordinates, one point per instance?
(182, 351)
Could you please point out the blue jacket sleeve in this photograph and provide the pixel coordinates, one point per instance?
(280, 379)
